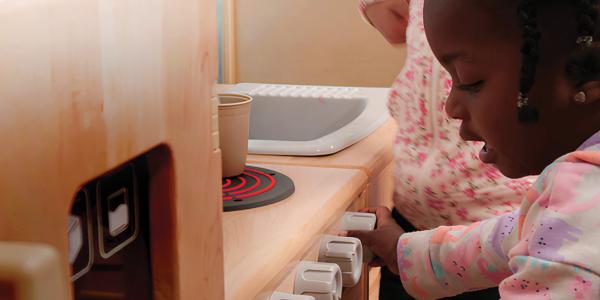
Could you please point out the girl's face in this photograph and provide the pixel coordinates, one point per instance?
(478, 42)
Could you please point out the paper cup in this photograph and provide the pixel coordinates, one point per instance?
(234, 123)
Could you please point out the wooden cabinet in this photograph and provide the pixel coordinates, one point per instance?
(86, 86)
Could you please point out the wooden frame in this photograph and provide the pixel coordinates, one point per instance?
(228, 42)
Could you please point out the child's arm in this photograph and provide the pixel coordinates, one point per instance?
(442, 262)
(451, 260)
(551, 244)
(390, 17)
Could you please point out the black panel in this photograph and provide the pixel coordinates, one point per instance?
(256, 187)
(120, 267)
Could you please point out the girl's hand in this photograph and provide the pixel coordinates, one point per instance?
(390, 17)
(383, 239)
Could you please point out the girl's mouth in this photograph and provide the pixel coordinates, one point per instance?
(487, 154)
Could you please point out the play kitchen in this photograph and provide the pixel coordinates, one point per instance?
(283, 218)
(127, 173)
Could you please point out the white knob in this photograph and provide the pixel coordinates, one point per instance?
(346, 252)
(358, 221)
(320, 280)
(285, 296)
(75, 237)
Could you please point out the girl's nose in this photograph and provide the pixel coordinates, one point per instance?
(454, 107)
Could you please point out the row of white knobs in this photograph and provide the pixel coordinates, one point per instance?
(340, 263)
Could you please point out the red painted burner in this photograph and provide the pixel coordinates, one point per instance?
(254, 183)
(255, 187)
(242, 183)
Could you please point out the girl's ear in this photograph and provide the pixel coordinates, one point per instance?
(588, 93)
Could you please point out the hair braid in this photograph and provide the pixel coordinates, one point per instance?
(584, 64)
(586, 19)
(527, 13)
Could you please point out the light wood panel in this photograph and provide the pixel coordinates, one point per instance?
(381, 187)
(228, 41)
(306, 42)
(374, 278)
(86, 85)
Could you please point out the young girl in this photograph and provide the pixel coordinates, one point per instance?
(439, 179)
(526, 81)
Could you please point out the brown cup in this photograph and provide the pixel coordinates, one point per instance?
(234, 123)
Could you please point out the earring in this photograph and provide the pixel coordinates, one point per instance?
(580, 97)
(585, 40)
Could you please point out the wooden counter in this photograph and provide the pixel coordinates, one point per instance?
(262, 245)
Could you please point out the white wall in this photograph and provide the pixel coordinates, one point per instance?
(310, 42)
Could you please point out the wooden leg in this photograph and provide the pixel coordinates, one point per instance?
(374, 277)
(361, 290)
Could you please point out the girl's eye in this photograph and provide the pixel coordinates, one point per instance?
(471, 87)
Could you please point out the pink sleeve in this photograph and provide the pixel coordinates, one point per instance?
(451, 260)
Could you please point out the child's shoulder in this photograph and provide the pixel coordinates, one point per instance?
(571, 182)
(588, 158)
(581, 165)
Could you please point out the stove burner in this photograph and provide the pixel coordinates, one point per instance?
(254, 188)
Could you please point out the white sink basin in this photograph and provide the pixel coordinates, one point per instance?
(311, 120)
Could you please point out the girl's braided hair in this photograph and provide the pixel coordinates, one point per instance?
(583, 66)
